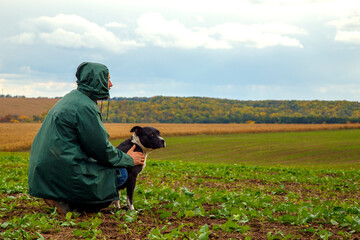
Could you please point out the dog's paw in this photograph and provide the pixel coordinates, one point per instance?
(131, 208)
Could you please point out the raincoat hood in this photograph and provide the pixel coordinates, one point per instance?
(92, 80)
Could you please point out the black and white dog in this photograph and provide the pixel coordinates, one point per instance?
(147, 139)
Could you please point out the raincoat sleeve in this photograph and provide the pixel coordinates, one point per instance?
(94, 139)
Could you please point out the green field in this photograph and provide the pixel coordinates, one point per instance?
(315, 149)
(302, 185)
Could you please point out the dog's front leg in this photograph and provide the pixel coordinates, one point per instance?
(130, 205)
(130, 192)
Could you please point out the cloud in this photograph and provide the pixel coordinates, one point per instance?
(348, 36)
(150, 87)
(155, 29)
(338, 89)
(347, 28)
(258, 35)
(73, 31)
(115, 25)
(251, 91)
(26, 69)
(23, 38)
(291, 91)
(34, 85)
(199, 19)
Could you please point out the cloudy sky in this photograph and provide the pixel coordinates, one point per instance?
(235, 49)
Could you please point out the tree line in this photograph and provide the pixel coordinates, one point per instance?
(23, 118)
(162, 109)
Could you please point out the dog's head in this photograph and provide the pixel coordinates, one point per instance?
(149, 137)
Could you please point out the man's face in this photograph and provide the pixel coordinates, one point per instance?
(110, 83)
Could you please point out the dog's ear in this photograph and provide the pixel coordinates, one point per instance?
(136, 129)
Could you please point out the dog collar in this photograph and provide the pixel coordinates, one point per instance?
(135, 139)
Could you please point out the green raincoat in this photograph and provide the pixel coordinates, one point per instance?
(71, 157)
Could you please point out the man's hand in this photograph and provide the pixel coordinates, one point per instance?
(138, 157)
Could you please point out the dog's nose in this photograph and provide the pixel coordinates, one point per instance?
(163, 143)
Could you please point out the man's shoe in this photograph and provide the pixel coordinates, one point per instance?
(61, 207)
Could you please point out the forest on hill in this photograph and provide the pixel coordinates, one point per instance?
(162, 109)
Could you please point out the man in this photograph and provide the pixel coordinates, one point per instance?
(73, 165)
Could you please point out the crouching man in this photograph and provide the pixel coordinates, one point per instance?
(73, 165)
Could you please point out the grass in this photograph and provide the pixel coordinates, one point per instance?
(191, 200)
(277, 185)
(314, 149)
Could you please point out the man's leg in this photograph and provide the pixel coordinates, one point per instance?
(121, 176)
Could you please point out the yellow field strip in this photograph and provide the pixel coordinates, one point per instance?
(19, 136)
